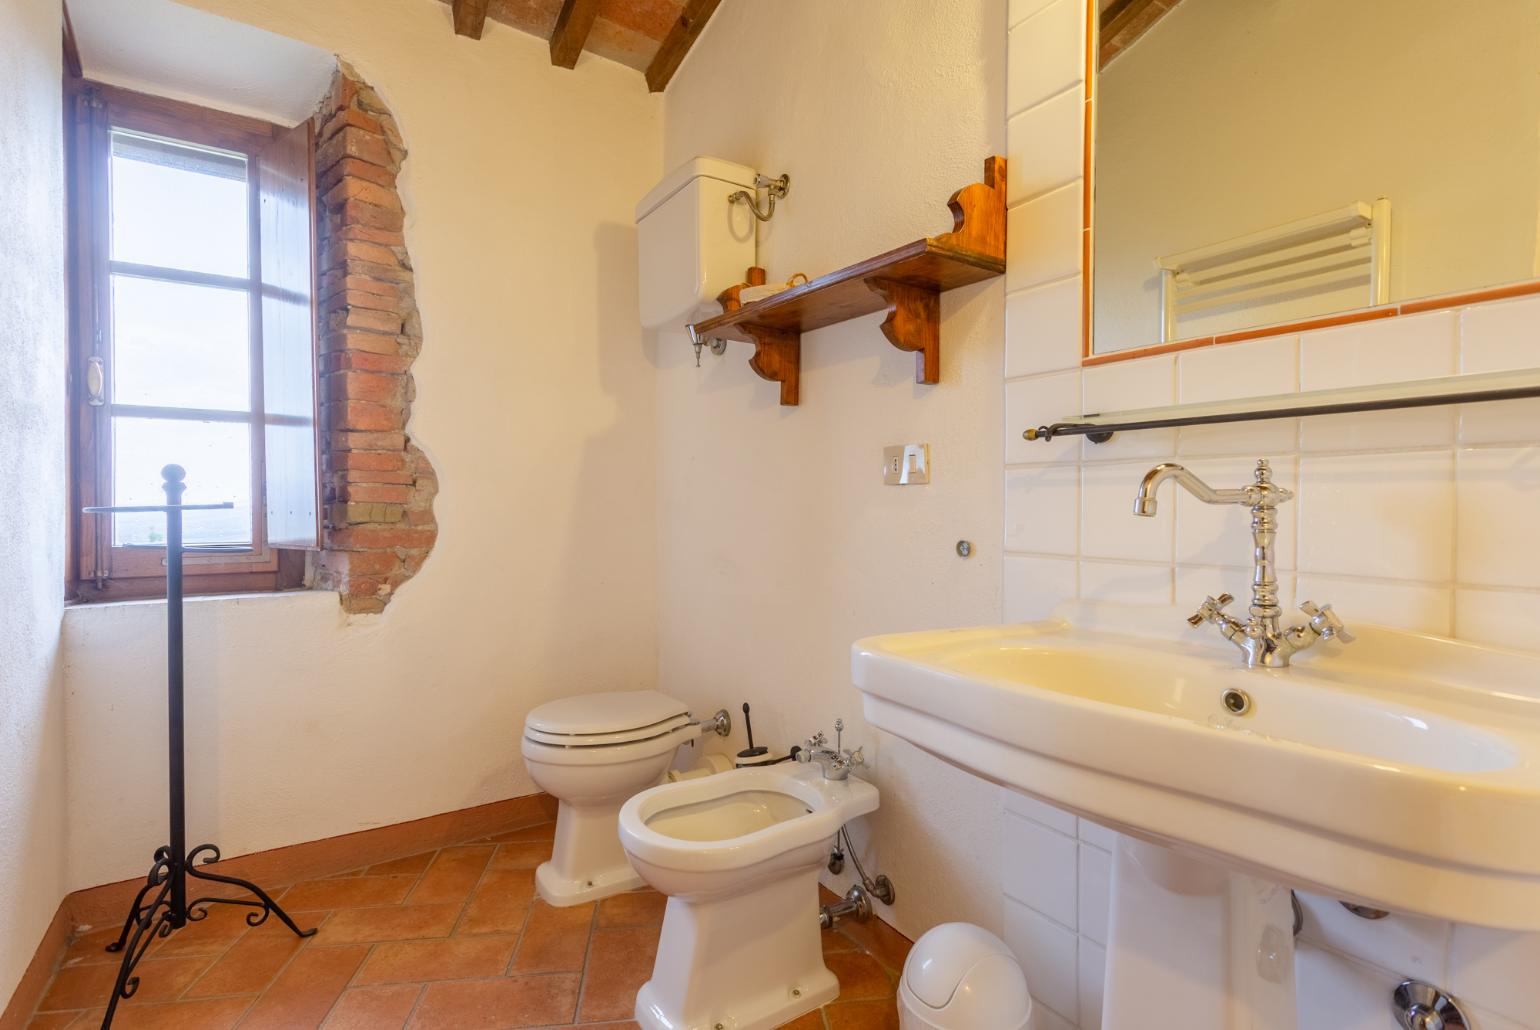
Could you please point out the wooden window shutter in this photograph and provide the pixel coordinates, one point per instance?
(285, 182)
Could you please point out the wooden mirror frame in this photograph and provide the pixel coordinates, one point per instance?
(1089, 357)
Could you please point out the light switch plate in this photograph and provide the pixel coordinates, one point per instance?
(906, 464)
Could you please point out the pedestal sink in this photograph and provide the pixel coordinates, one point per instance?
(1401, 772)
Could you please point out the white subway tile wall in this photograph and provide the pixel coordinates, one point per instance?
(1417, 519)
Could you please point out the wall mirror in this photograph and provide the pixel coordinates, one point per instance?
(1269, 162)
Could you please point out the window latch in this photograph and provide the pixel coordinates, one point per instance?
(96, 382)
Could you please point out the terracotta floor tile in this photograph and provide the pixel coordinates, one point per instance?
(248, 967)
(539, 831)
(862, 1015)
(374, 1008)
(79, 987)
(495, 1004)
(885, 944)
(203, 1014)
(353, 892)
(521, 854)
(501, 903)
(636, 908)
(555, 939)
(454, 959)
(305, 991)
(834, 941)
(619, 962)
(91, 946)
(452, 875)
(812, 1021)
(410, 864)
(396, 923)
(513, 961)
(211, 935)
(861, 976)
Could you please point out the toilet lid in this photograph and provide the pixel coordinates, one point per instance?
(610, 718)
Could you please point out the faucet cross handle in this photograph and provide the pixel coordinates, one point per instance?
(1325, 622)
(1209, 610)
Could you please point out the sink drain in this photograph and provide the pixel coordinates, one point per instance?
(1237, 702)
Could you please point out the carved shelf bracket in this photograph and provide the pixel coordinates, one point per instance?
(907, 282)
(913, 324)
(778, 358)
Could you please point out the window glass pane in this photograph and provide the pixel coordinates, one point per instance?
(180, 346)
(217, 457)
(178, 206)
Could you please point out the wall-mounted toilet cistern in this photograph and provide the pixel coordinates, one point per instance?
(1261, 638)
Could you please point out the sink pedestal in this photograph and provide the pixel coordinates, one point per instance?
(1207, 947)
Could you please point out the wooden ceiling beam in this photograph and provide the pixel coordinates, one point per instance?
(470, 17)
(571, 32)
(692, 20)
(1122, 22)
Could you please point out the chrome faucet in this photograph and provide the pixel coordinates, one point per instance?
(836, 761)
(1261, 638)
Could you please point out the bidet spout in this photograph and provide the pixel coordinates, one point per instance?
(1261, 637)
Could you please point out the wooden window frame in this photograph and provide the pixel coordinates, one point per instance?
(101, 570)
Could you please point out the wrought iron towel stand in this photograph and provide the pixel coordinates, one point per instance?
(170, 910)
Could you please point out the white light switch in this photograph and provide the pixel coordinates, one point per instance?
(906, 465)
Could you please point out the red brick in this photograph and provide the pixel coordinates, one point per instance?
(339, 281)
(369, 461)
(363, 361)
(369, 538)
(344, 442)
(371, 343)
(353, 168)
(363, 386)
(366, 319)
(365, 234)
(356, 212)
(367, 416)
(346, 117)
(375, 476)
(361, 300)
(376, 493)
(364, 192)
(361, 563)
(356, 143)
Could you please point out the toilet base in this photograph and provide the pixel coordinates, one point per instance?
(587, 862)
(750, 962)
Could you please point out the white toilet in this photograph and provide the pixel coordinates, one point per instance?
(592, 753)
(738, 855)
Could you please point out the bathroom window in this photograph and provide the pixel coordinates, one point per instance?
(194, 342)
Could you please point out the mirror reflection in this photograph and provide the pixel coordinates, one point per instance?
(1266, 161)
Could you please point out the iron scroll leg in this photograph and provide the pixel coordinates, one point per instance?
(263, 905)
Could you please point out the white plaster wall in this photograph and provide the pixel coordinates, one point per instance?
(1199, 141)
(778, 545)
(535, 401)
(1418, 519)
(33, 333)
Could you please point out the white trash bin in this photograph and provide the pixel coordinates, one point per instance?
(962, 977)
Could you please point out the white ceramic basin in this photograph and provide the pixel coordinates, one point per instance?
(1400, 771)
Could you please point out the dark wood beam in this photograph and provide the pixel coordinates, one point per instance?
(571, 32)
(470, 17)
(678, 42)
(1124, 21)
(71, 48)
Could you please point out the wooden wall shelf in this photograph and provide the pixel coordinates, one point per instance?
(907, 282)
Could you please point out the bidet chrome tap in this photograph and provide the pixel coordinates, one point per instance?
(1261, 638)
(836, 761)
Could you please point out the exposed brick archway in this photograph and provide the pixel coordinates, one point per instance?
(377, 486)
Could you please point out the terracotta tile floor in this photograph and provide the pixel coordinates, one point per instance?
(449, 940)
